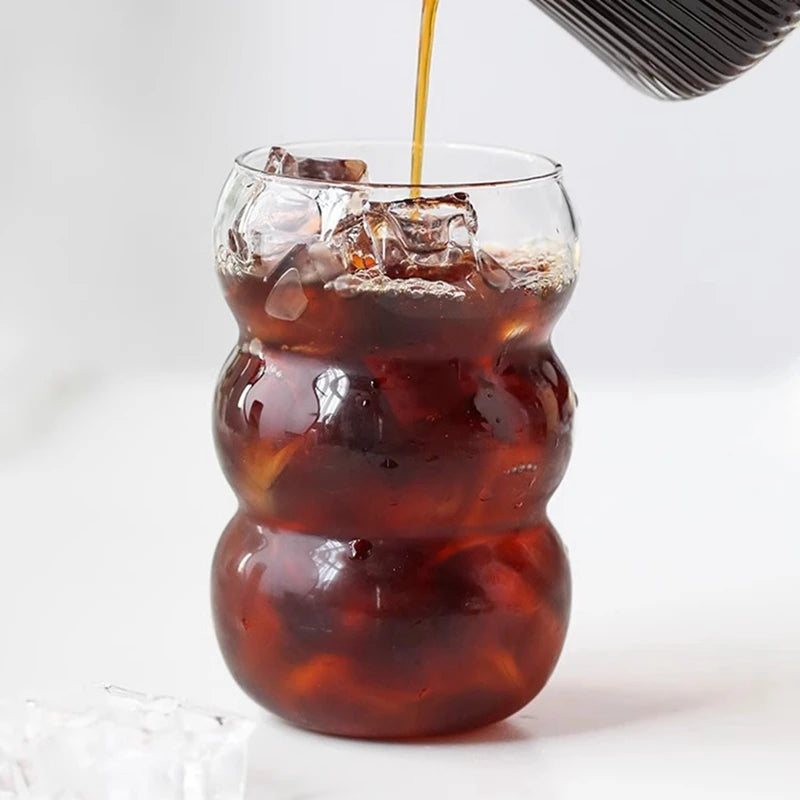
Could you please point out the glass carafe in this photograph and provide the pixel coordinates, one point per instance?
(677, 49)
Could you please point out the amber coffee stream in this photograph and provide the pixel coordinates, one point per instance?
(426, 36)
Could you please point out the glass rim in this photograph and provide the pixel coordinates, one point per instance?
(552, 169)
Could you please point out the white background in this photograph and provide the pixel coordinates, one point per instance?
(121, 120)
(119, 124)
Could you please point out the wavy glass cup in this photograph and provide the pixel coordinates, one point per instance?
(393, 439)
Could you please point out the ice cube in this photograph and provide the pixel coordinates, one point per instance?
(493, 272)
(430, 224)
(334, 205)
(351, 240)
(281, 162)
(324, 263)
(122, 745)
(287, 301)
(316, 263)
(426, 238)
(278, 215)
(297, 258)
(540, 266)
(331, 170)
(272, 222)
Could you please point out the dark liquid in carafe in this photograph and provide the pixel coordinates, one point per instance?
(674, 48)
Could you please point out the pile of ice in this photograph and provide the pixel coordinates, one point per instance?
(113, 744)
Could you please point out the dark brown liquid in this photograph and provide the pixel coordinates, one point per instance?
(678, 49)
(391, 570)
(426, 36)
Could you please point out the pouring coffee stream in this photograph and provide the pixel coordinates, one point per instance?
(426, 36)
(672, 49)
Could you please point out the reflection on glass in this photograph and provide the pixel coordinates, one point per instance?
(331, 388)
(329, 559)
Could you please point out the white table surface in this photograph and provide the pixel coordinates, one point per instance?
(681, 675)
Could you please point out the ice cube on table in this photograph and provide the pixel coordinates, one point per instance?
(121, 745)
